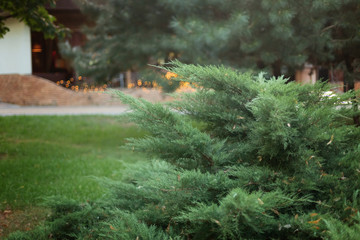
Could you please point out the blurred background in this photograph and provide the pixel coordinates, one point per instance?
(97, 44)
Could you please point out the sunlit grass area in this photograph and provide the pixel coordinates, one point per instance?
(42, 156)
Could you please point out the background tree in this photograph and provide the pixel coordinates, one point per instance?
(33, 13)
(275, 36)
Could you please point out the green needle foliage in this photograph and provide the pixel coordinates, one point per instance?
(243, 157)
(273, 36)
(34, 14)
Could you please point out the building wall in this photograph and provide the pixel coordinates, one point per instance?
(306, 75)
(15, 49)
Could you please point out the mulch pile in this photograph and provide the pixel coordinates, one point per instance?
(29, 90)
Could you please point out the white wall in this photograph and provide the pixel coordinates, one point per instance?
(15, 49)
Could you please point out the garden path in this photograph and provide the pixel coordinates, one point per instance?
(11, 109)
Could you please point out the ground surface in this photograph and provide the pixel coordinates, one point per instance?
(30, 95)
(43, 156)
(11, 110)
(28, 90)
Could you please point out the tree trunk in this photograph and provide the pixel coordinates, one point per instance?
(276, 67)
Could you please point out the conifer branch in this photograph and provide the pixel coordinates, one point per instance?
(278, 195)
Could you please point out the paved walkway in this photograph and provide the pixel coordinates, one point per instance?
(11, 109)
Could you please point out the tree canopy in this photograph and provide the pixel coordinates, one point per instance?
(33, 13)
(273, 36)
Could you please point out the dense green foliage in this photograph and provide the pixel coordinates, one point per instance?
(244, 157)
(33, 13)
(41, 156)
(274, 36)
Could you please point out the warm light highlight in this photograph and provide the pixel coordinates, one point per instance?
(170, 75)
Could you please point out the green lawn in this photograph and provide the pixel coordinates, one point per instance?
(43, 156)
(57, 155)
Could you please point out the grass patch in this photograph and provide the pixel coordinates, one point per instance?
(56, 155)
(21, 220)
(42, 156)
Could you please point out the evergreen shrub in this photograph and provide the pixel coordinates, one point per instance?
(243, 157)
